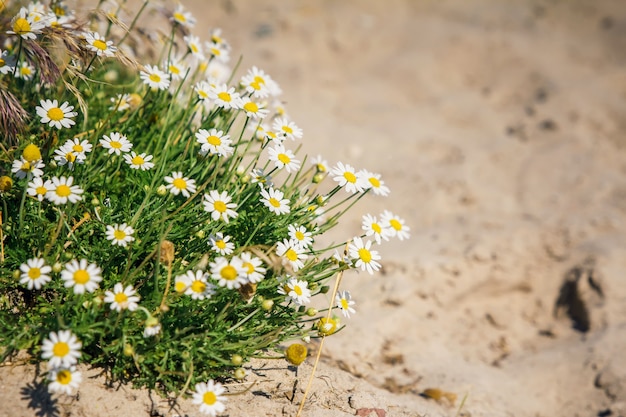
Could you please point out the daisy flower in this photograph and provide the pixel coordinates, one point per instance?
(80, 148)
(225, 97)
(99, 45)
(221, 244)
(320, 164)
(25, 169)
(182, 17)
(230, 274)
(218, 71)
(38, 188)
(176, 69)
(209, 396)
(153, 328)
(63, 190)
(35, 273)
(253, 267)
(82, 276)
(198, 287)
(344, 302)
(219, 205)
(202, 88)
(61, 349)
(301, 235)
(120, 102)
(177, 184)
(141, 161)
(254, 110)
(25, 71)
(273, 199)
(193, 43)
(7, 63)
(259, 84)
(347, 177)
(287, 128)
(66, 156)
(374, 182)
(122, 298)
(218, 51)
(182, 282)
(116, 143)
(259, 176)
(296, 291)
(395, 225)
(214, 142)
(24, 25)
(155, 78)
(283, 158)
(120, 234)
(366, 259)
(292, 252)
(64, 379)
(373, 228)
(56, 116)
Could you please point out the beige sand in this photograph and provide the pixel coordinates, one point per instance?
(500, 128)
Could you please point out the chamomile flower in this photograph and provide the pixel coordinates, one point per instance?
(182, 282)
(217, 51)
(221, 244)
(320, 164)
(25, 25)
(373, 181)
(81, 148)
(372, 227)
(198, 286)
(120, 234)
(176, 69)
(25, 169)
(283, 158)
(395, 225)
(259, 176)
(219, 205)
(347, 177)
(253, 267)
(177, 184)
(153, 327)
(64, 379)
(25, 71)
(38, 188)
(35, 273)
(365, 257)
(228, 273)
(273, 200)
(209, 397)
(214, 142)
(98, 44)
(225, 97)
(292, 253)
(61, 349)
(215, 36)
(301, 235)
(155, 78)
(259, 84)
(122, 298)
(287, 128)
(64, 190)
(65, 155)
(183, 17)
(202, 89)
(254, 110)
(344, 302)
(296, 290)
(116, 143)
(81, 276)
(139, 161)
(7, 62)
(120, 102)
(194, 45)
(54, 115)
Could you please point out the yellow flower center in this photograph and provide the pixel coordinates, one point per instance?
(63, 190)
(64, 377)
(216, 39)
(81, 276)
(174, 69)
(21, 26)
(220, 244)
(251, 107)
(220, 206)
(395, 224)
(259, 80)
(203, 94)
(60, 349)
(155, 78)
(209, 398)
(180, 286)
(350, 177)
(365, 255)
(41, 190)
(376, 227)
(287, 129)
(180, 17)
(56, 114)
(292, 255)
(299, 235)
(70, 157)
(119, 234)
(216, 52)
(115, 144)
(375, 183)
(297, 290)
(344, 304)
(194, 48)
(101, 45)
(2, 62)
(198, 286)
(25, 71)
(229, 272)
(214, 140)
(249, 267)
(31, 152)
(224, 96)
(180, 183)
(284, 158)
(121, 298)
(78, 148)
(271, 135)
(34, 273)
(274, 202)
(137, 160)
(26, 166)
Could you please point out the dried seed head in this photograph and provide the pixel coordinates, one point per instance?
(167, 252)
(6, 183)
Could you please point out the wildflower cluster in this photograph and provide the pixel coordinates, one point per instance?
(156, 219)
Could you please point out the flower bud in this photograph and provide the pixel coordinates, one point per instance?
(267, 305)
(236, 360)
(240, 373)
(161, 190)
(311, 312)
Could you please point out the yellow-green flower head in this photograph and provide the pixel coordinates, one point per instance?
(327, 326)
(32, 153)
(6, 183)
(296, 354)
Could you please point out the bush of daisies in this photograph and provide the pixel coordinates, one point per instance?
(156, 219)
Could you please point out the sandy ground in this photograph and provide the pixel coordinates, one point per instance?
(500, 128)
